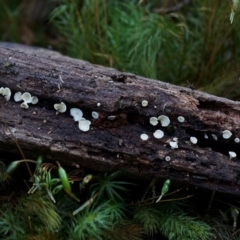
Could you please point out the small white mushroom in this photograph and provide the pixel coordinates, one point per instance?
(111, 118)
(84, 125)
(34, 100)
(165, 121)
(60, 107)
(214, 136)
(226, 134)
(167, 158)
(158, 134)
(205, 136)
(175, 139)
(173, 144)
(17, 97)
(144, 103)
(181, 119)
(24, 105)
(76, 113)
(236, 140)
(153, 121)
(6, 92)
(193, 140)
(95, 115)
(98, 104)
(144, 136)
(232, 154)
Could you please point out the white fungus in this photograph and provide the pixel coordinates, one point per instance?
(175, 139)
(76, 113)
(165, 121)
(111, 118)
(17, 97)
(84, 125)
(144, 136)
(236, 140)
(60, 107)
(226, 134)
(6, 92)
(232, 154)
(181, 119)
(214, 136)
(173, 144)
(95, 115)
(158, 134)
(26, 98)
(98, 104)
(205, 136)
(153, 121)
(144, 103)
(167, 158)
(193, 140)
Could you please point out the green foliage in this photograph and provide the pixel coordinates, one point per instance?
(109, 187)
(172, 223)
(11, 223)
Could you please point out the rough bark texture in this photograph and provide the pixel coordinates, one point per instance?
(111, 145)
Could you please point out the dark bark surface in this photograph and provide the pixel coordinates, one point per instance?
(111, 145)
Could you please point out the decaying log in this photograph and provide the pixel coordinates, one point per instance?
(111, 145)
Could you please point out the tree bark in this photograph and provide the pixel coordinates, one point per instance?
(116, 145)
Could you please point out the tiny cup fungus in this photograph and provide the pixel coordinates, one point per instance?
(232, 154)
(193, 140)
(6, 92)
(226, 134)
(84, 125)
(98, 104)
(236, 140)
(17, 97)
(26, 98)
(181, 119)
(158, 134)
(76, 113)
(214, 136)
(60, 107)
(153, 121)
(111, 118)
(173, 144)
(167, 158)
(205, 136)
(165, 121)
(144, 103)
(95, 115)
(144, 137)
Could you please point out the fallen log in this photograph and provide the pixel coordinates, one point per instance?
(113, 141)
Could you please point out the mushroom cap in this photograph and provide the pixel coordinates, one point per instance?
(6, 92)
(236, 140)
(173, 144)
(153, 121)
(60, 107)
(181, 119)
(34, 100)
(144, 103)
(158, 134)
(76, 113)
(144, 136)
(226, 134)
(17, 97)
(84, 125)
(26, 97)
(232, 154)
(193, 140)
(95, 115)
(167, 158)
(214, 136)
(111, 118)
(165, 121)
(24, 105)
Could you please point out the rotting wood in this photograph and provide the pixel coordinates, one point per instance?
(111, 145)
